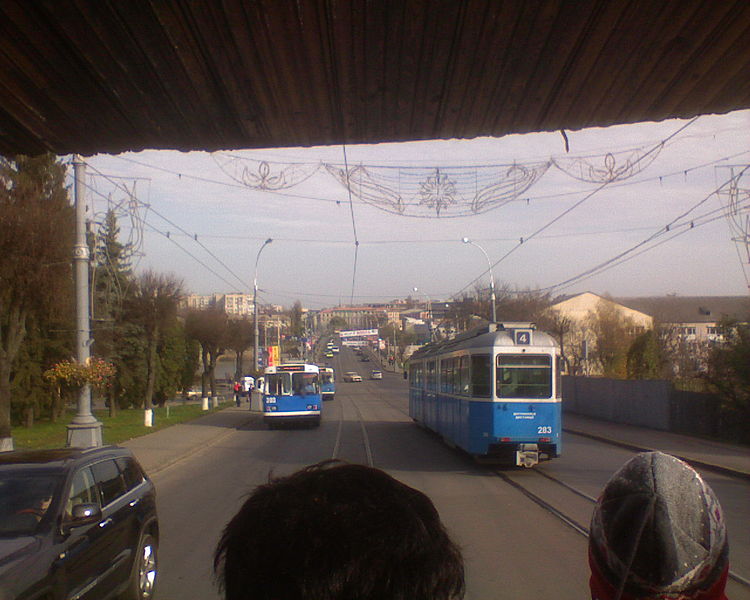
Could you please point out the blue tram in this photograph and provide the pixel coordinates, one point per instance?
(494, 392)
(291, 393)
(327, 383)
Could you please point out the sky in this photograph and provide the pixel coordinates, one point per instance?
(637, 201)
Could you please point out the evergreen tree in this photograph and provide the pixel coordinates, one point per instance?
(37, 230)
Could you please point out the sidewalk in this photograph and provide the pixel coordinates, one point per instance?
(161, 449)
(718, 456)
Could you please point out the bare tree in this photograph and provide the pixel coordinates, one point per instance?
(209, 327)
(36, 240)
(240, 337)
(152, 303)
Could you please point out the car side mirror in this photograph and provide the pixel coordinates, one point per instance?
(83, 514)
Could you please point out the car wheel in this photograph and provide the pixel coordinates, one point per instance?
(143, 577)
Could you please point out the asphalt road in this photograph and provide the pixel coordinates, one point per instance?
(513, 548)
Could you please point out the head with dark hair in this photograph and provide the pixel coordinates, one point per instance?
(657, 531)
(336, 531)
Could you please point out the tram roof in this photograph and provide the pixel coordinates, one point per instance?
(483, 337)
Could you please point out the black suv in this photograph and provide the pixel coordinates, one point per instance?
(76, 524)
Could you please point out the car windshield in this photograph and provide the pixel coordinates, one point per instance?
(24, 500)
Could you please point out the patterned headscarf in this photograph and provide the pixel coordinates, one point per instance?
(658, 533)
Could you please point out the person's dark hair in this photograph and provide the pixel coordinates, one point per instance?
(336, 531)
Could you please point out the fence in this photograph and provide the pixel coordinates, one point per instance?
(654, 404)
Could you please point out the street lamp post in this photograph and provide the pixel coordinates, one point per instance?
(492, 279)
(429, 310)
(255, 305)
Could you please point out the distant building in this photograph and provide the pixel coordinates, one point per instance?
(693, 318)
(583, 306)
(200, 302)
(237, 304)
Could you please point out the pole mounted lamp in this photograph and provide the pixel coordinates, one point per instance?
(255, 304)
(492, 279)
(429, 310)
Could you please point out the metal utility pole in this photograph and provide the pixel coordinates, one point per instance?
(492, 279)
(255, 305)
(84, 431)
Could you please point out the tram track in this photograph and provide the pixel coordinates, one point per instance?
(569, 520)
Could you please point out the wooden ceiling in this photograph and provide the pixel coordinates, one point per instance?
(92, 76)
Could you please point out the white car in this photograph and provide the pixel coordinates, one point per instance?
(352, 376)
(375, 374)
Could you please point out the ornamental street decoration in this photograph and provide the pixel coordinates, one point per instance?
(439, 192)
(264, 175)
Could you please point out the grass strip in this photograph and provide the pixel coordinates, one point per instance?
(126, 425)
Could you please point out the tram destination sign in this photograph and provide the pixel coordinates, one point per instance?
(358, 333)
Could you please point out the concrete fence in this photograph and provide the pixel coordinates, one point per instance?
(650, 403)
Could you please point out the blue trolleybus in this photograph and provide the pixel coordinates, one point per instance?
(493, 392)
(291, 394)
(327, 383)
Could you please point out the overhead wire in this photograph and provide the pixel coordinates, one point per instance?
(194, 237)
(526, 239)
(662, 231)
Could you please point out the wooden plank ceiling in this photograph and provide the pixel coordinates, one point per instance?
(93, 76)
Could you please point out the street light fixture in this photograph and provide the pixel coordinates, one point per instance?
(255, 304)
(492, 279)
(429, 310)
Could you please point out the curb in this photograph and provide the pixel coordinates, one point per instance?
(636, 448)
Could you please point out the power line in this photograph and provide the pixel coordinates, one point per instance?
(571, 208)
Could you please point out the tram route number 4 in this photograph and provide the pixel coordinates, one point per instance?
(522, 337)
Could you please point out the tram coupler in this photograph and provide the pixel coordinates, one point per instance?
(527, 455)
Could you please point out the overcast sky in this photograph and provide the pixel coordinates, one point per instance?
(569, 226)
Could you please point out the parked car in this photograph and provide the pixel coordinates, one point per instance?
(365, 359)
(77, 524)
(375, 374)
(351, 376)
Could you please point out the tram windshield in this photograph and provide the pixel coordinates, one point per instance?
(524, 376)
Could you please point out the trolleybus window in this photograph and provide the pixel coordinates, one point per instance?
(481, 375)
(524, 376)
(326, 377)
(278, 384)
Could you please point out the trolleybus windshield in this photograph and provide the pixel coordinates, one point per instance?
(278, 384)
(524, 376)
(304, 384)
(326, 377)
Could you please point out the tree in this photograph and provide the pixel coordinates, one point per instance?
(612, 334)
(110, 280)
(240, 337)
(728, 372)
(645, 359)
(209, 327)
(152, 303)
(37, 229)
(296, 324)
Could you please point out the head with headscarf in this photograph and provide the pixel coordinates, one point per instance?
(658, 533)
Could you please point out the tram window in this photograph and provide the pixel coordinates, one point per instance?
(278, 384)
(524, 376)
(481, 380)
(430, 376)
(464, 376)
